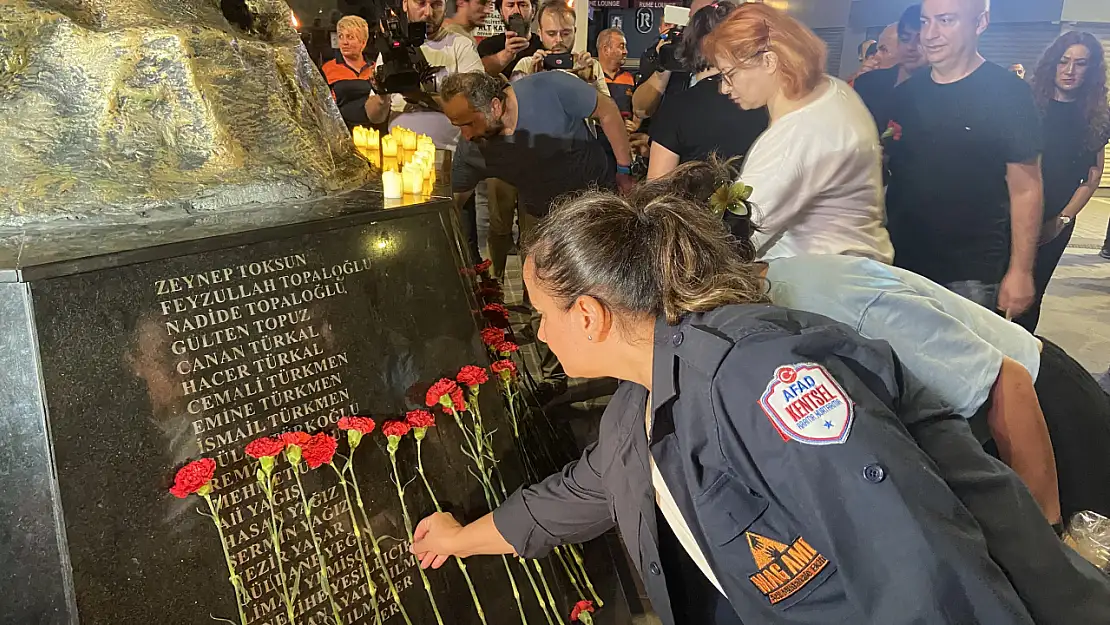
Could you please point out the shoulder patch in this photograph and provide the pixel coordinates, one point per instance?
(805, 404)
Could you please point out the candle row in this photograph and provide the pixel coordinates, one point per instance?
(407, 159)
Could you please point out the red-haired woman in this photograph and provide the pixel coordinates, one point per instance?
(817, 170)
(1069, 87)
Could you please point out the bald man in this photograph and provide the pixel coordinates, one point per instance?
(964, 201)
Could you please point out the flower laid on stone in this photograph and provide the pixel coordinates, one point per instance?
(319, 450)
(492, 336)
(505, 369)
(472, 375)
(582, 613)
(300, 445)
(195, 478)
(394, 431)
(420, 419)
(356, 428)
(506, 348)
(445, 393)
(265, 450)
(496, 314)
(491, 294)
(483, 267)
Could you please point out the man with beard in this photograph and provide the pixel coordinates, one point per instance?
(557, 32)
(452, 52)
(501, 53)
(469, 15)
(533, 136)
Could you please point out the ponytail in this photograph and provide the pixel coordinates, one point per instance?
(650, 254)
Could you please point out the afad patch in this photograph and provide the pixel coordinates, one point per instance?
(805, 404)
(783, 570)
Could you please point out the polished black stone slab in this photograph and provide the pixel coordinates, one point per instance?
(132, 348)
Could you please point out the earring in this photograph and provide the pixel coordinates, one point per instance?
(590, 338)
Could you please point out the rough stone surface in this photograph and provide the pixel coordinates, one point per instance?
(132, 106)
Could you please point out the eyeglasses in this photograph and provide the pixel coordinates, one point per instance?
(727, 75)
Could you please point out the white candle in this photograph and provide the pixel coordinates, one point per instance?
(391, 184)
(389, 146)
(413, 179)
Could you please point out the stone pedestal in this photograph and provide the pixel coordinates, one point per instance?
(131, 348)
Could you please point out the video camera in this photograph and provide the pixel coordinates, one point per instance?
(667, 59)
(403, 68)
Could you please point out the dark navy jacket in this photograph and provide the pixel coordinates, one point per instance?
(791, 447)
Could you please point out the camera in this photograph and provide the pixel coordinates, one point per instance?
(668, 59)
(563, 61)
(403, 68)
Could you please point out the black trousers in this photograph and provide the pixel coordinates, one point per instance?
(694, 599)
(1048, 257)
(468, 221)
(1077, 412)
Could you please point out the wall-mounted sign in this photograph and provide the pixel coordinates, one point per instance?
(609, 4)
(656, 4)
(645, 20)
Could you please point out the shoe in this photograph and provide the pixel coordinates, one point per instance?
(1105, 252)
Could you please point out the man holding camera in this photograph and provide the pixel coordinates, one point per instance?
(452, 52)
(657, 81)
(557, 33)
(501, 53)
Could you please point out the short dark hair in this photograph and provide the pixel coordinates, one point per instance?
(479, 89)
(910, 22)
(701, 24)
(497, 4)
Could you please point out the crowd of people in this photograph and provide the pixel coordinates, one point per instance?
(820, 302)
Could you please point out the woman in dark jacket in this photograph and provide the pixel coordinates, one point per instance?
(1069, 87)
(764, 465)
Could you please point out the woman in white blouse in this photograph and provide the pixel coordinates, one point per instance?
(816, 172)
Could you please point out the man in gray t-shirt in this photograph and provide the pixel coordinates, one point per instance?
(533, 135)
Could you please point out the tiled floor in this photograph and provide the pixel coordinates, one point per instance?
(1076, 311)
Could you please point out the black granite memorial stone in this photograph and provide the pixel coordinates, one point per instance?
(130, 349)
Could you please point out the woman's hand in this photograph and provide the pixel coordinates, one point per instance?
(434, 539)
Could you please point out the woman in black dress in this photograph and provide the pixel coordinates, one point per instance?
(1069, 86)
(701, 120)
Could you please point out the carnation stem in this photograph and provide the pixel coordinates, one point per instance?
(275, 541)
(408, 530)
(370, 585)
(319, 552)
(374, 542)
(232, 576)
(458, 560)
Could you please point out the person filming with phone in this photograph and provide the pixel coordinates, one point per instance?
(557, 33)
(501, 53)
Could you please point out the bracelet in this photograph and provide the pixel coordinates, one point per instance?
(624, 169)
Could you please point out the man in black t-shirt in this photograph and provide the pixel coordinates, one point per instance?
(876, 88)
(501, 53)
(965, 199)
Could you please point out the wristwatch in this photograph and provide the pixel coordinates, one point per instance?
(1064, 220)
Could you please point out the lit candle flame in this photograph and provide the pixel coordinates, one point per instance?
(294, 21)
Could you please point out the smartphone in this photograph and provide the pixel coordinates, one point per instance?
(564, 60)
(518, 25)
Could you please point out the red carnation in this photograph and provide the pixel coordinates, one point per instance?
(264, 447)
(296, 438)
(445, 387)
(581, 608)
(193, 477)
(420, 419)
(493, 336)
(893, 131)
(395, 428)
(483, 266)
(472, 376)
(496, 314)
(319, 450)
(506, 347)
(504, 368)
(363, 425)
(491, 294)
